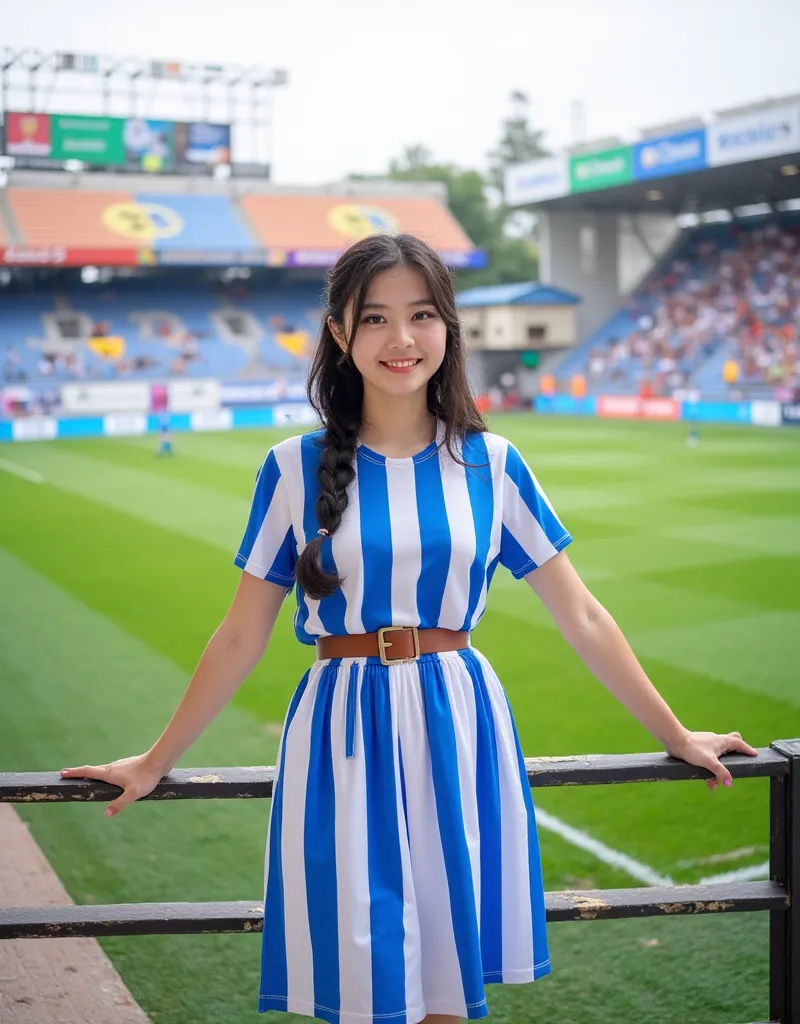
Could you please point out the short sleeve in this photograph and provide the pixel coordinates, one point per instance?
(531, 531)
(268, 547)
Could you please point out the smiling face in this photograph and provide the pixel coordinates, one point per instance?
(400, 338)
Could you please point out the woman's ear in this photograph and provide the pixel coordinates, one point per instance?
(338, 334)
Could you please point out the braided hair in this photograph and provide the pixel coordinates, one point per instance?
(336, 389)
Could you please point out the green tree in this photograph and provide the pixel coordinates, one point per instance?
(508, 259)
(519, 142)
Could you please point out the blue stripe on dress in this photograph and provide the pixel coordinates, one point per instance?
(350, 714)
(274, 983)
(266, 481)
(541, 959)
(518, 471)
(447, 787)
(481, 499)
(513, 554)
(387, 931)
(320, 847)
(376, 545)
(434, 530)
(489, 820)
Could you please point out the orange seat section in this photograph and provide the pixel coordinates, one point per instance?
(331, 222)
(68, 217)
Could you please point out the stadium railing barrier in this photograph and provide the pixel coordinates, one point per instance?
(780, 895)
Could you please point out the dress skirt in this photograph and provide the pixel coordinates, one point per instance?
(402, 863)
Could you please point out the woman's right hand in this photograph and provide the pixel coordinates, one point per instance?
(136, 777)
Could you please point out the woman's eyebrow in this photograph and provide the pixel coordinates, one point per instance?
(382, 305)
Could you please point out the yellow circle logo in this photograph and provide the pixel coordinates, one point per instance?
(142, 222)
(356, 221)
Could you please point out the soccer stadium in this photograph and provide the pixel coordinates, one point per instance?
(150, 287)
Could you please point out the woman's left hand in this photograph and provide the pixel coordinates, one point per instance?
(704, 749)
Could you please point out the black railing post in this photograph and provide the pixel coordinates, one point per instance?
(784, 858)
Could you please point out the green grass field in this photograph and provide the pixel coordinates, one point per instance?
(116, 568)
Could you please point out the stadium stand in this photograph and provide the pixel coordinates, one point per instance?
(156, 328)
(165, 312)
(726, 302)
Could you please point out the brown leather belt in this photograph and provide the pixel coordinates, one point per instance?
(406, 643)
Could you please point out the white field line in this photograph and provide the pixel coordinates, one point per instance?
(613, 858)
(636, 869)
(748, 874)
(23, 471)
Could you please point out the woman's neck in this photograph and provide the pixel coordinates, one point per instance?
(397, 427)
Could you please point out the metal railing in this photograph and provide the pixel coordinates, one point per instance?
(780, 895)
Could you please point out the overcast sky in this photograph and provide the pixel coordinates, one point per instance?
(368, 78)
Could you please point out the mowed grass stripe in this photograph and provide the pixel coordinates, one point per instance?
(165, 588)
(196, 510)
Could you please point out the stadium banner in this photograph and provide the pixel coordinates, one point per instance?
(27, 134)
(131, 144)
(790, 414)
(671, 154)
(633, 407)
(294, 414)
(113, 396)
(193, 395)
(67, 256)
(618, 406)
(258, 416)
(604, 169)
(765, 413)
(264, 392)
(538, 180)
(81, 426)
(199, 142)
(34, 428)
(211, 419)
(763, 133)
(210, 257)
(149, 145)
(566, 405)
(94, 140)
(716, 412)
(125, 424)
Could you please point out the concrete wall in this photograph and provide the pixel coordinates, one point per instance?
(601, 256)
(580, 252)
(504, 328)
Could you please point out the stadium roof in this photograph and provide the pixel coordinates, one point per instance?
(528, 293)
(746, 156)
(715, 188)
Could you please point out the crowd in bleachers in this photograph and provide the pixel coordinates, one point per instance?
(730, 289)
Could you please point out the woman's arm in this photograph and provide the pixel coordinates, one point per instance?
(598, 641)
(230, 656)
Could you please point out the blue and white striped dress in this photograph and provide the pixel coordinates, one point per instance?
(402, 863)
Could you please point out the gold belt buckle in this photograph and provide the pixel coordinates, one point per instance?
(383, 643)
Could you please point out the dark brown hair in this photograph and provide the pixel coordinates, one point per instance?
(336, 389)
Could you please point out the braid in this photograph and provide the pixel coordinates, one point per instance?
(336, 473)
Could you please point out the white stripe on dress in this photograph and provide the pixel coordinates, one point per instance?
(352, 867)
(299, 969)
(402, 492)
(458, 506)
(441, 970)
(517, 917)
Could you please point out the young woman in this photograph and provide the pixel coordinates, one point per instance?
(402, 868)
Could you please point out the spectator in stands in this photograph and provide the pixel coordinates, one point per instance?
(745, 297)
